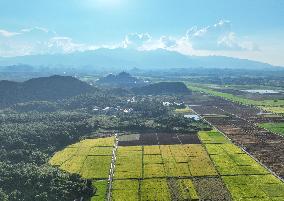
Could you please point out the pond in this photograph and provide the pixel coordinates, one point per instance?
(262, 91)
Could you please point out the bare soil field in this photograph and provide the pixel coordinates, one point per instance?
(161, 139)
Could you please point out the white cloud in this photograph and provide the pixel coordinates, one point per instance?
(231, 41)
(63, 44)
(136, 40)
(12, 48)
(42, 29)
(218, 36)
(6, 33)
(207, 40)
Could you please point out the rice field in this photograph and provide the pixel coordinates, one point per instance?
(216, 169)
(85, 157)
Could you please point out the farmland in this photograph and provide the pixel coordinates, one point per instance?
(270, 105)
(213, 169)
(242, 124)
(84, 158)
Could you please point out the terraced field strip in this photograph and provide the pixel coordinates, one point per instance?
(245, 178)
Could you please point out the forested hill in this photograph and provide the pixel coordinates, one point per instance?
(122, 80)
(44, 88)
(162, 88)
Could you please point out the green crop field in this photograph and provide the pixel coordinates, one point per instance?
(255, 187)
(89, 169)
(101, 189)
(214, 170)
(125, 190)
(212, 137)
(245, 178)
(128, 162)
(62, 156)
(155, 189)
(187, 190)
(275, 106)
(274, 127)
(85, 157)
(185, 110)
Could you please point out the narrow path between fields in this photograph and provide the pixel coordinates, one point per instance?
(112, 167)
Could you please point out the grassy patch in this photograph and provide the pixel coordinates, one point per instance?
(128, 162)
(125, 190)
(108, 141)
(256, 187)
(151, 159)
(231, 160)
(155, 189)
(154, 170)
(212, 137)
(199, 161)
(274, 127)
(187, 190)
(185, 110)
(74, 164)
(186, 160)
(100, 151)
(96, 167)
(60, 157)
(122, 195)
(228, 158)
(90, 158)
(101, 189)
(237, 164)
(152, 150)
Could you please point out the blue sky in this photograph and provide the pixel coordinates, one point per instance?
(252, 29)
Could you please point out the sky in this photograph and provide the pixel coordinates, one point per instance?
(250, 29)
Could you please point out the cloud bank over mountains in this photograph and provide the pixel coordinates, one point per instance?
(218, 38)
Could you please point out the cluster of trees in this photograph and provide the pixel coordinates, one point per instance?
(27, 140)
(163, 88)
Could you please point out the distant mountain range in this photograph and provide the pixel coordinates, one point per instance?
(41, 89)
(125, 59)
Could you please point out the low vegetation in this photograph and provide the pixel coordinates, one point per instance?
(274, 127)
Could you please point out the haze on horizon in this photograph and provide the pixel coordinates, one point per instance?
(237, 28)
